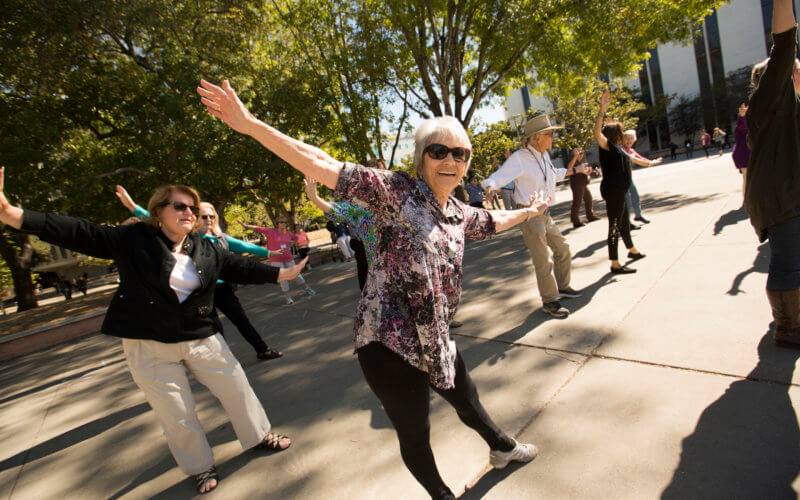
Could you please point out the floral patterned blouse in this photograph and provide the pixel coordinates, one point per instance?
(414, 283)
(359, 220)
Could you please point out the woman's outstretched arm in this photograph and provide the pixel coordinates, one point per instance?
(9, 214)
(223, 103)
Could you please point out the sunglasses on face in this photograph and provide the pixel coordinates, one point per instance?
(281, 222)
(440, 152)
(208, 217)
(180, 206)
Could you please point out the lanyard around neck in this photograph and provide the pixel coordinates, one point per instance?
(539, 163)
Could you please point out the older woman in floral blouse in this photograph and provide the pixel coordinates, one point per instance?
(414, 283)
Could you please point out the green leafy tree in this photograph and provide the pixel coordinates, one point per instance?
(490, 146)
(577, 112)
(468, 52)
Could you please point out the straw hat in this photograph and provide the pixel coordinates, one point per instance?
(538, 124)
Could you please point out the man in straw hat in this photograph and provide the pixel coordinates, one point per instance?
(532, 171)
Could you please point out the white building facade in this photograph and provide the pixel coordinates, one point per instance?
(731, 40)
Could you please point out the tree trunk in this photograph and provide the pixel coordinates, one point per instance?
(18, 253)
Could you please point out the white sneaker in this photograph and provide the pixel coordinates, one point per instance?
(289, 301)
(522, 452)
(310, 291)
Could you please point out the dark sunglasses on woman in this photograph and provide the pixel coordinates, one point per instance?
(180, 206)
(208, 217)
(440, 152)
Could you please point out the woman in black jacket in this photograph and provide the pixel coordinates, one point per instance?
(163, 313)
(616, 167)
(772, 191)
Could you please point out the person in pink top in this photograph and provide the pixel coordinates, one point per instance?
(281, 239)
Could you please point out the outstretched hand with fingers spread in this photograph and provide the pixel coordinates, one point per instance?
(125, 198)
(290, 273)
(223, 103)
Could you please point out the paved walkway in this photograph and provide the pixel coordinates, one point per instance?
(661, 383)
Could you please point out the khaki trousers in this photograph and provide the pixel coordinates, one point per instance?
(541, 235)
(159, 369)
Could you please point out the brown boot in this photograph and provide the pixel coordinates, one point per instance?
(786, 312)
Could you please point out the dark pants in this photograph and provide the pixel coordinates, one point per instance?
(227, 302)
(405, 394)
(361, 261)
(784, 259)
(579, 183)
(705, 148)
(302, 252)
(618, 223)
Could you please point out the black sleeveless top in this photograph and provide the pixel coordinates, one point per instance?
(616, 167)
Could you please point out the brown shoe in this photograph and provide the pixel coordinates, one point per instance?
(786, 312)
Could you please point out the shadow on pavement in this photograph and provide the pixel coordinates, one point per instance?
(729, 219)
(760, 265)
(747, 443)
(72, 437)
(489, 480)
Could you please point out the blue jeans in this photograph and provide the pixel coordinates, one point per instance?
(632, 200)
(784, 259)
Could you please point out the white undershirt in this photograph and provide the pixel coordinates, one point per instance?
(183, 279)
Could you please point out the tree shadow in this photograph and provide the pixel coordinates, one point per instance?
(760, 265)
(747, 443)
(729, 219)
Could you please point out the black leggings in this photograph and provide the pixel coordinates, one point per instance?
(361, 261)
(226, 301)
(405, 394)
(618, 223)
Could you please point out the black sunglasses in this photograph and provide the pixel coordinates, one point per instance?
(440, 152)
(180, 206)
(208, 217)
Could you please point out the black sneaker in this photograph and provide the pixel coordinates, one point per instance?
(642, 220)
(622, 270)
(634, 227)
(568, 293)
(555, 310)
(636, 256)
(456, 324)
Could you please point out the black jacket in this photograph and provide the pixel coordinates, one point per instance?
(772, 193)
(145, 307)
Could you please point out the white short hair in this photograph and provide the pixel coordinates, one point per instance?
(630, 133)
(437, 128)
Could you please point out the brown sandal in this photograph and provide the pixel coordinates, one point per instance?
(274, 442)
(204, 477)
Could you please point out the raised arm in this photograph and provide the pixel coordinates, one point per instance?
(602, 141)
(8, 214)
(223, 103)
(782, 16)
(644, 162)
(311, 192)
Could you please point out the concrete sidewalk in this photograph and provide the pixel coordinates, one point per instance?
(661, 383)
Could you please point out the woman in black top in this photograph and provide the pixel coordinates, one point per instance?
(616, 167)
(163, 313)
(772, 193)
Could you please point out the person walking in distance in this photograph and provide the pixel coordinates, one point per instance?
(532, 171)
(705, 141)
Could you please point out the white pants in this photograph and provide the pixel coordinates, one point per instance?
(344, 247)
(285, 283)
(159, 369)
